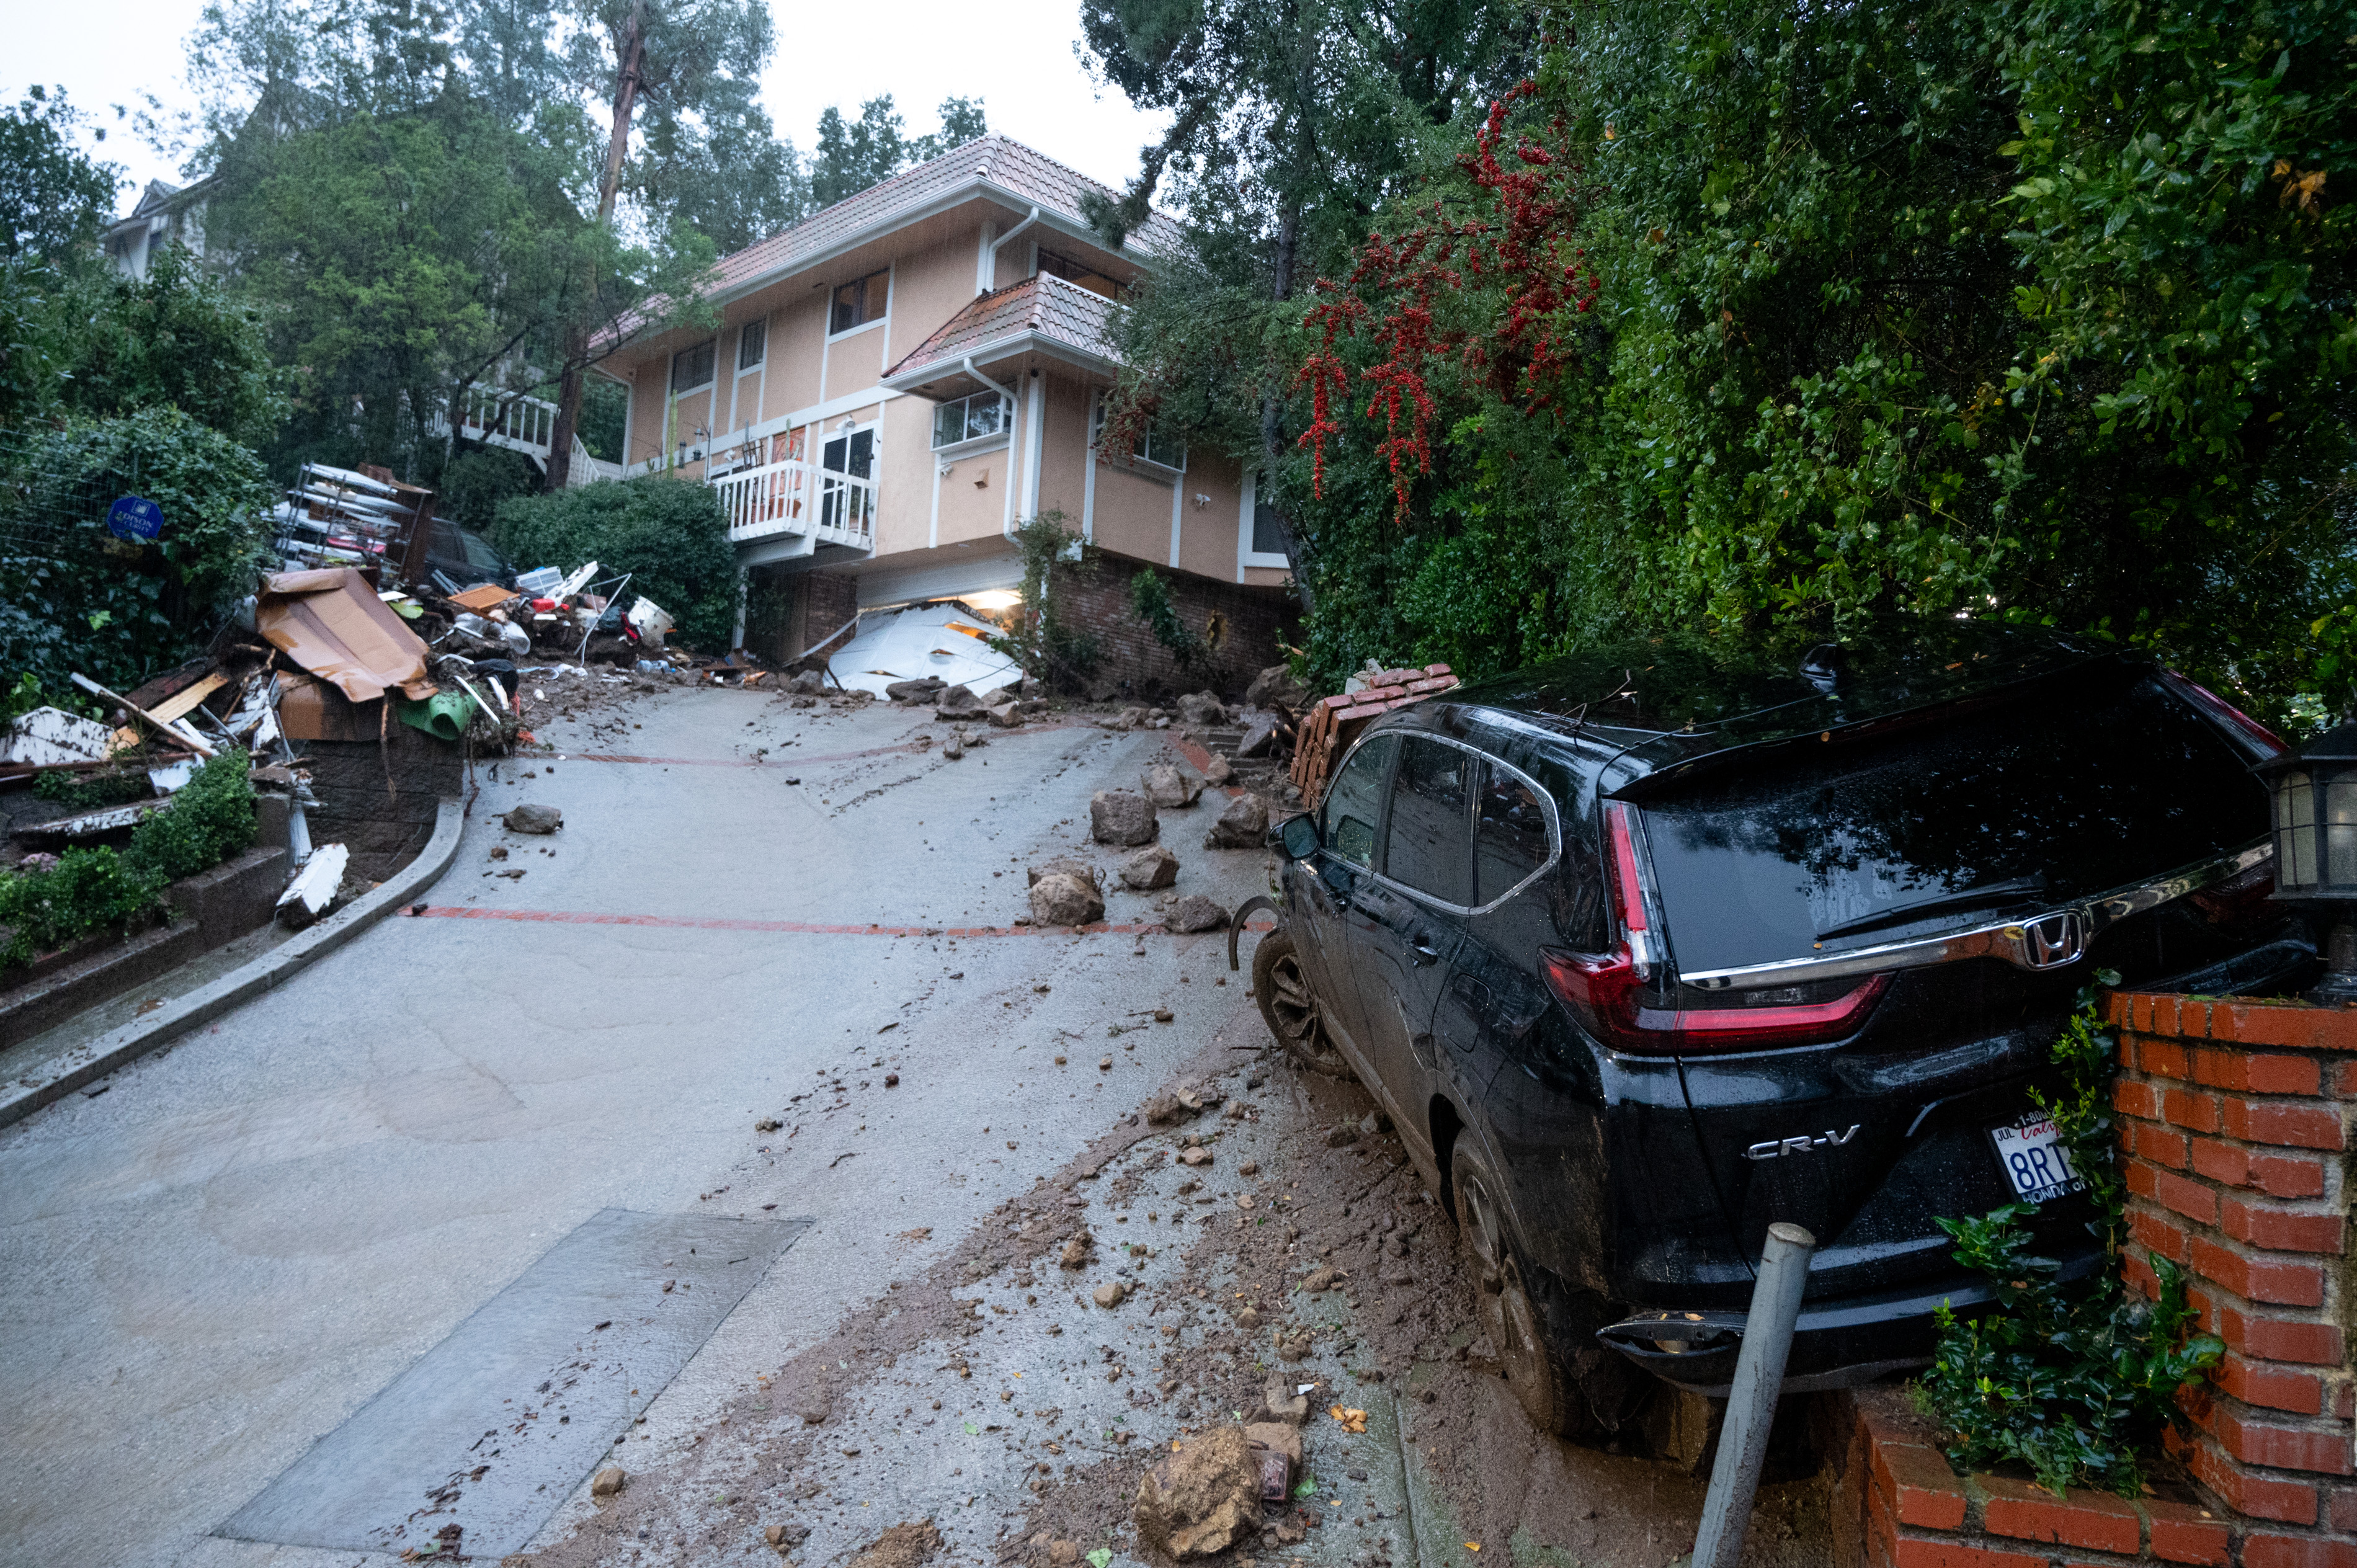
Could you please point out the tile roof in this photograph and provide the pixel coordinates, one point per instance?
(996, 160)
(1063, 312)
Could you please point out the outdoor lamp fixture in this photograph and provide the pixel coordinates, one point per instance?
(2312, 794)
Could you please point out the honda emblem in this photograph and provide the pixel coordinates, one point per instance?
(2052, 940)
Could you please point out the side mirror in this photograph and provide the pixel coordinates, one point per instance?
(1299, 836)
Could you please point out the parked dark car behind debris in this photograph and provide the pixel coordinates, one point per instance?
(1647, 950)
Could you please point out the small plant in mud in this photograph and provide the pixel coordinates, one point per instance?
(2071, 1378)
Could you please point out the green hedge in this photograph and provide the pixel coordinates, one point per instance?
(668, 533)
(91, 890)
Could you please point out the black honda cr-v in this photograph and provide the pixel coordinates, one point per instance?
(1649, 948)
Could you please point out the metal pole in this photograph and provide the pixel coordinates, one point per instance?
(1751, 1402)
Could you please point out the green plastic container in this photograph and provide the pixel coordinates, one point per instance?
(443, 716)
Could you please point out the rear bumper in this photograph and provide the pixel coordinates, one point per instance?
(1837, 1344)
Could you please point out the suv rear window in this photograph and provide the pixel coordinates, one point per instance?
(2069, 791)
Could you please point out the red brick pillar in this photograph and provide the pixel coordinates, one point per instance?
(2234, 1123)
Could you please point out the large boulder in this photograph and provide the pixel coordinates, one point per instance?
(925, 689)
(1166, 786)
(1202, 1499)
(530, 818)
(957, 702)
(1260, 732)
(1276, 687)
(1149, 869)
(1128, 718)
(1243, 825)
(1060, 898)
(1201, 708)
(1007, 716)
(1196, 913)
(808, 683)
(1118, 817)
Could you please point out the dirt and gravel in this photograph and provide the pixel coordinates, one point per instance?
(1257, 1226)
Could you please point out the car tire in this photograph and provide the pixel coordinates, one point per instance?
(1290, 1006)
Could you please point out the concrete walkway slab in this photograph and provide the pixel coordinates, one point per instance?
(500, 1421)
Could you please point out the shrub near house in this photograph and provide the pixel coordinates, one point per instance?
(92, 890)
(670, 538)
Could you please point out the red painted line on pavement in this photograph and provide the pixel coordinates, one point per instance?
(797, 760)
(699, 923)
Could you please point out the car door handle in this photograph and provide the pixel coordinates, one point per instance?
(1421, 945)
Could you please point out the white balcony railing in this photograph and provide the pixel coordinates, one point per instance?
(520, 423)
(797, 498)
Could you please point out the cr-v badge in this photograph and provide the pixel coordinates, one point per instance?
(1802, 1144)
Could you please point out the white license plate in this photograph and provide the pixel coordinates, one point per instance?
(2031, 1155)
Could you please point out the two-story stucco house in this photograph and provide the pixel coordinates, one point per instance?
(903, 378)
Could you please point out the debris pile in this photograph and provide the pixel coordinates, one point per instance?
(1329, 726)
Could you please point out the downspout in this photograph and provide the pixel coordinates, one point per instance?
(1000, 243)
(1006, 520)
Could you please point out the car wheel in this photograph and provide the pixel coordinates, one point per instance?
(1281, 986)
(1509, 1312)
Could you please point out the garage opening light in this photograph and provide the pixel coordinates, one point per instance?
(995, 599)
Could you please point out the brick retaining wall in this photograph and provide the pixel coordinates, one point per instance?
(2234, 1126)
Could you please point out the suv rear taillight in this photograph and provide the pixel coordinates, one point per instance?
(2226, 712)
(1614, 996)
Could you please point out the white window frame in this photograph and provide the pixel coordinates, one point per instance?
(1138, 462)
(989, 441)
(1247, 556)
(891, 288)
(712, 372)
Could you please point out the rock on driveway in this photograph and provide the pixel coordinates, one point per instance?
(1243, 825)
(1117, 816)
(1196, 913)
(1062, 900)
(1149, 869)
(1166, 786)
(533, 819)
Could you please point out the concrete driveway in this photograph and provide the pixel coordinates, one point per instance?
(229, 1253)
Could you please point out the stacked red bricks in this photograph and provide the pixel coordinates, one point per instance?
(2235, 1132)
(2232, 1115)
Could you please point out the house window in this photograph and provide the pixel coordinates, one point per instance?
(970, 418)
(691, 367)
(1154, 447)
(1266, 539)
(752, 342)
(1080, 272)
(861, 301)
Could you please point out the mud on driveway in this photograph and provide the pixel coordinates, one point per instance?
(992, 1400)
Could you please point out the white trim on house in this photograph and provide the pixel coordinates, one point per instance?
(1031, 451)
(1089, 472)
(1177, 500)
(1247, 556)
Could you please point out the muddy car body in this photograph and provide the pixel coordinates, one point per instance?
(1649, 949)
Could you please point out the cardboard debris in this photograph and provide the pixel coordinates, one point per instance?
(332, 624)
(312, 710)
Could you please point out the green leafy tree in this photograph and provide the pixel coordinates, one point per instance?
(177, 338)
(53, 196)
(1896, 312)
(1290, 124)
(851, 154)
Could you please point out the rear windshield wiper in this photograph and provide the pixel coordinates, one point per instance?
(2012, 891)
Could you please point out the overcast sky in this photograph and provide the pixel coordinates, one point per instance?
(1017, 57)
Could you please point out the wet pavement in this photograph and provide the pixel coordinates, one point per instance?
(757, 914)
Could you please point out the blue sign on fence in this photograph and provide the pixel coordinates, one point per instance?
(135, 517)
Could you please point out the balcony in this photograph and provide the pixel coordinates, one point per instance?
(795, 503)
